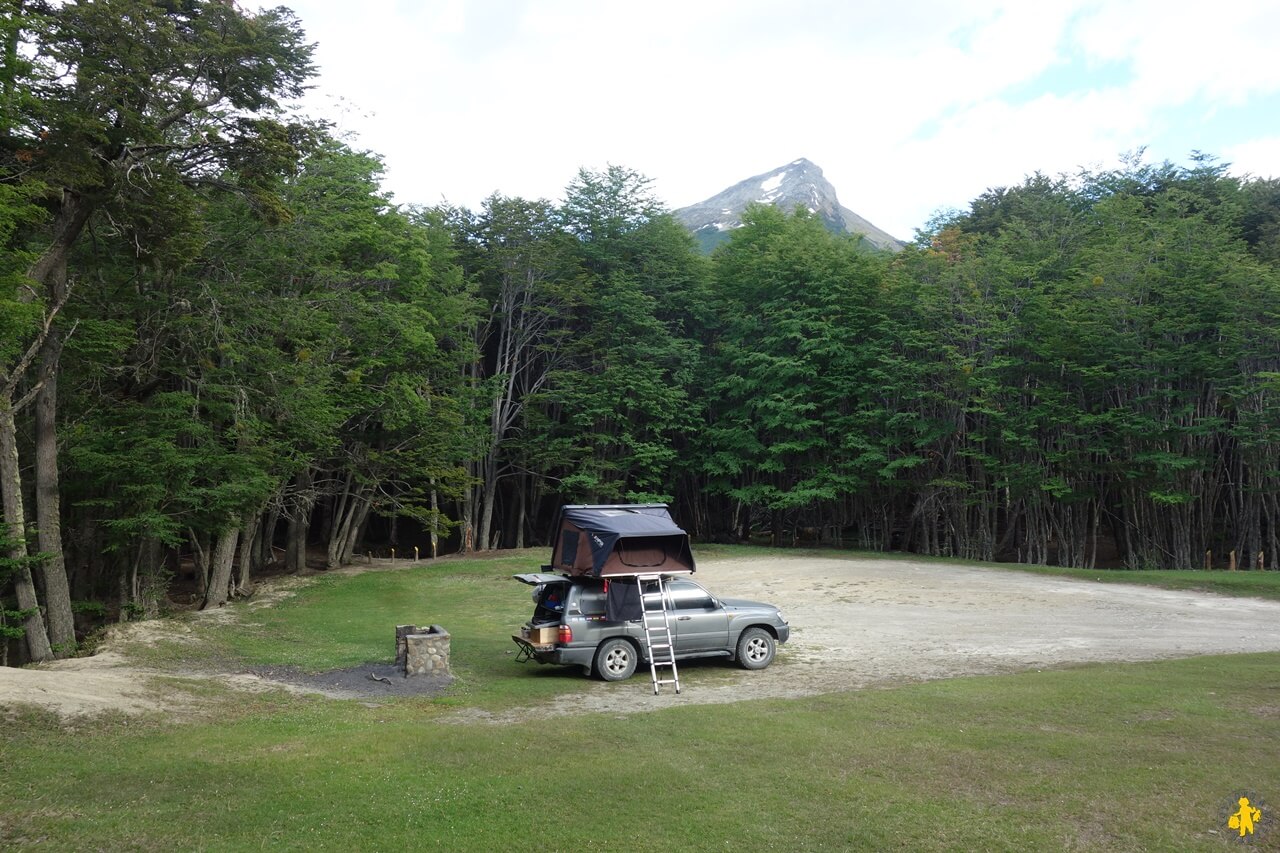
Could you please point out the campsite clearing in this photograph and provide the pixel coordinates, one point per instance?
(857, 622)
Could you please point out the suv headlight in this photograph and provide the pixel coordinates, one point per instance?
(781, 618)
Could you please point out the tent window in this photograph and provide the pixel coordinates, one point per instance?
(642, 552)
(569, 548)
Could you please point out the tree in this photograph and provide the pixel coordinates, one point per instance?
(184, 97)
(518, 260)
(23, 327)
(615, 411)
(305, 368)
(787, 427)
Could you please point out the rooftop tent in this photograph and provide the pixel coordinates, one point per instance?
(619, 540)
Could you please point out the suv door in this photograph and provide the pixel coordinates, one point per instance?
(700, 623)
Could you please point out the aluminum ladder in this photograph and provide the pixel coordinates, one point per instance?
(657, 631)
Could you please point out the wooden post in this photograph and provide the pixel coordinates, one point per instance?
(415, 553)
(1262, 561)
(1208, 561)
(368, 555)
(1231, 563)
(393, 555)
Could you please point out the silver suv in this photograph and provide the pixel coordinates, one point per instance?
(577, 623)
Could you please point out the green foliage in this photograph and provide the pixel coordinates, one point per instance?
(794, 304)
(1069, 365)
(20, 315)
(12, 619)
(185, 86)
(617, 404)
(325, 340)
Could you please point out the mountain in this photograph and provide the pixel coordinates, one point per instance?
(797, 183)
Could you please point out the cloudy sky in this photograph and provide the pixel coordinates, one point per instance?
(908, 107)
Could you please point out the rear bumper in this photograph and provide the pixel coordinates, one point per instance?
(567, 656)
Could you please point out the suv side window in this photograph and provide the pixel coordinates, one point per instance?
(591, 601)
(689, 596)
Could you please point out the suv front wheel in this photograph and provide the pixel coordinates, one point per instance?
(616, 660)
(756, 648)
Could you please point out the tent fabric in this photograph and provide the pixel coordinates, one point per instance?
(622, 603)
(643, 536)
(638, 520)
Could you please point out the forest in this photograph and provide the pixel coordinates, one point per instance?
(225, 351)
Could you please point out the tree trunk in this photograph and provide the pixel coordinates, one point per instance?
(149, 579)
(15, 529)
(295, 553)
(50, 269)
(267, 543)
(295, 558)
(57, 592)
(222, 561)
(249, 529)
(361, 518)
(344, 529)
(488, 497)
(467, 543)
(200, 556)
(521, 516)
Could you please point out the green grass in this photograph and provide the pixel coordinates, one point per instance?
(1125, 757)
(343, 621)
(1100, 757)
(1248, 584)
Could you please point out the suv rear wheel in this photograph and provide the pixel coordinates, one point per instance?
(756, 648)
(616, 660)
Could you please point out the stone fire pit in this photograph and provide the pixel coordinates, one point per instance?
(422, 651)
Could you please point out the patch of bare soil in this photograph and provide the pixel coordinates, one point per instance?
(367, 681)
(80, 692)
(110, 681)
(856, 622)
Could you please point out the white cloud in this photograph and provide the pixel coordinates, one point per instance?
(907, 106)
(1259, 158)
(1182, 50)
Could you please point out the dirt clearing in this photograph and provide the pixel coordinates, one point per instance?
(861, 622)
(856, 622)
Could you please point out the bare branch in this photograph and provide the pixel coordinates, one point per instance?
(10, 382)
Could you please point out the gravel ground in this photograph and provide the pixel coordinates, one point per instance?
(856, 623)
(862, 622)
